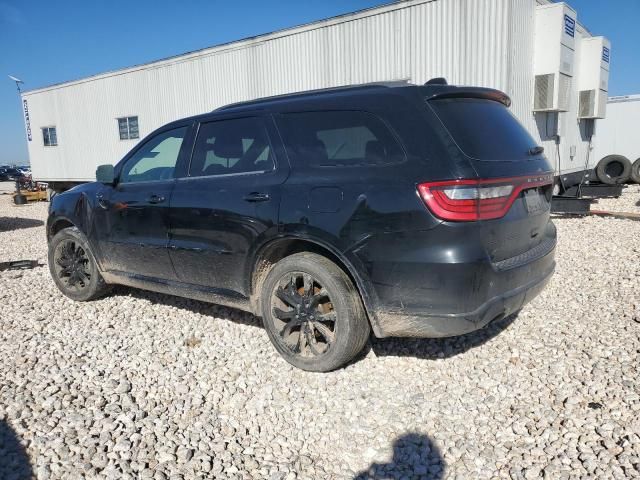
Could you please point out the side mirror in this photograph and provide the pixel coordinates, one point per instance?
(105, 174)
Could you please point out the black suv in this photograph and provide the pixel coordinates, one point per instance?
(407, 210)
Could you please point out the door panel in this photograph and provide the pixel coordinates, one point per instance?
(132, 220)
(133, 229)
(229, 202)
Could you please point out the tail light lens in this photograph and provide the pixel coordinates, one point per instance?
(472, 200)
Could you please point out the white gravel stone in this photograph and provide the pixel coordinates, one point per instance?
(141, 385)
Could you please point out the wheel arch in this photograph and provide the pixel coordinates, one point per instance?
(56, 224)
(278, 248)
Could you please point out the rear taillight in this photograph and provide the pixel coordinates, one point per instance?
(471, 200)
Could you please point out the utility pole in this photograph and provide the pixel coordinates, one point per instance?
(19, 198)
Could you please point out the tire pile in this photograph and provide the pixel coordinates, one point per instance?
(617, 169)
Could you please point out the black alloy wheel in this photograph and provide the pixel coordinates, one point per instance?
(313, 312)
(304, 315)
(71, 264)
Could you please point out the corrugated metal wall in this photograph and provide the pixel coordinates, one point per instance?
(618, 133)
(478, 42)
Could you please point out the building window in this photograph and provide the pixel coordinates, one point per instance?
(49, 136)
(128, 128)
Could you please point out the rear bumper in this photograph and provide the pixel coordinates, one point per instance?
(396, 324)
(457, 298)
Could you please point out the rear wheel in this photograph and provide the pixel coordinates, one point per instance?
(613, 169)
(313, 313)
(73, 267)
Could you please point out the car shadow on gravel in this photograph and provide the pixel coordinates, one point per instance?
(414, 456)
(438, 348)
(8, 224)
(14, 462)
(194, 306)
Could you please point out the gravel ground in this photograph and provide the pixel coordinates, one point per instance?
(7, 187)
(629, 202)
(140, 385)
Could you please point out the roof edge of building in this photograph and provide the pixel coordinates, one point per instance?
(235, 44)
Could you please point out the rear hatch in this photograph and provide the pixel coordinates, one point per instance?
(511, 193)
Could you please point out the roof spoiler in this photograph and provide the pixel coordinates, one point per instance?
(470, 92)
(437, 81)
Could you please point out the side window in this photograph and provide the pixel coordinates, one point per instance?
(339, 139)
(49, 136)
(128, 128)
(156, 159)
(226, 147)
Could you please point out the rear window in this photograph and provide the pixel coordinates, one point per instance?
(484, 129)
(339, 139)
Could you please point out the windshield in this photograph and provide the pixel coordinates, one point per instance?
(484, 129)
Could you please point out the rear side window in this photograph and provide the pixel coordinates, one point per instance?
(339, 139)
(484, 129)
(230, 147)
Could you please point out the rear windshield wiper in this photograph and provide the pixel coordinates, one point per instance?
(536, 150)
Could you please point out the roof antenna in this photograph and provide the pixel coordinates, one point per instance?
(437, 81)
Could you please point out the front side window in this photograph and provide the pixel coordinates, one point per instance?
(339, 139)
(49, 136)
(234, 146)
(128, 128)
(156, 159)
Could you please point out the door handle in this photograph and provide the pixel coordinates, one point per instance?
(256, 197)
(156, 199)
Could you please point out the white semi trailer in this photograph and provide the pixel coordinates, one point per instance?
(536, 51)
(617, 140)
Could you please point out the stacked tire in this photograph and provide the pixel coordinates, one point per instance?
(616, 169)
(635, 171)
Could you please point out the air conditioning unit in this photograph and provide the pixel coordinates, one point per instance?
(593, 77)
(587, 104)
(554, 57)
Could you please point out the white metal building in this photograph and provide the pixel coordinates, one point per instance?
(534, 50)
(618, 134)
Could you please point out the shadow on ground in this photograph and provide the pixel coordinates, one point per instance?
(8, 224)
(424, 348)
(195, 306)
(435, 348)
(414, 457)
(14, 462)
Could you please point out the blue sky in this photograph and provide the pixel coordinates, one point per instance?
(48, 42)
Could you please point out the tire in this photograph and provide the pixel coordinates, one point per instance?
(613, 169)
(635, 171)
(73, 266)
(300, 328)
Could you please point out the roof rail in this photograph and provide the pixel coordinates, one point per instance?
(319, 91)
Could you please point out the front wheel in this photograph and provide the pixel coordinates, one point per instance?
(313, 313)
(73, 266)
